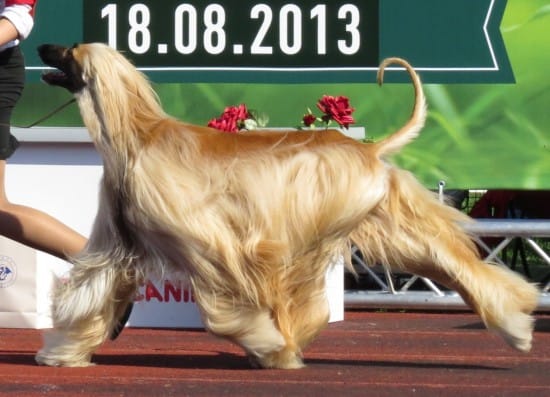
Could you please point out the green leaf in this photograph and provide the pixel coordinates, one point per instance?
(262, 119)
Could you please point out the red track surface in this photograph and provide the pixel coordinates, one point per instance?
(369, 354)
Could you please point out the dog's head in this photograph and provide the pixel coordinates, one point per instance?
(116, 100)
(65, 60)
(78, 65)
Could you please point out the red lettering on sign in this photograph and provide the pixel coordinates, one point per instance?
(151, 292)
(171, 289)
(170, 292)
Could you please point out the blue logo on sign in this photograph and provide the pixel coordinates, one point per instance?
(4, 273)
(8, 271)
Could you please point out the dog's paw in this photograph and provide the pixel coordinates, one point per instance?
(517, 331)
(284, 359)
(43, 358)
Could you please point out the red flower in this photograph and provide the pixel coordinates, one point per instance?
(309, 119)
(231, 120)
(337, 109)
(223, 125)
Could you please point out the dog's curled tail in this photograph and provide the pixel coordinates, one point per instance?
(412, 128)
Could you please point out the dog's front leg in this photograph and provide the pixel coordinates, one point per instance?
(84, 312)
(74, 346)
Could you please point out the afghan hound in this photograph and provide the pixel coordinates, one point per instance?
(253, 220)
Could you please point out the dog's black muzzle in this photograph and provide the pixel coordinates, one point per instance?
(68, 74)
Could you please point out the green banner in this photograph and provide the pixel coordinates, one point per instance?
(449, 41)
(306, 41)
(488, 135)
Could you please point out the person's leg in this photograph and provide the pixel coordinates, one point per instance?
(36, 228)
(17, 222)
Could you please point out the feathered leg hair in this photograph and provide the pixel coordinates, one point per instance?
(85, 310)
(414, 232)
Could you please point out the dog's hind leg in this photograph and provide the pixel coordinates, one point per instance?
(252, 328)
(413, 232)
(266, 345)
(502, 298)
(309, 313)
(276, 337)
(299, 320)
(84, 312)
